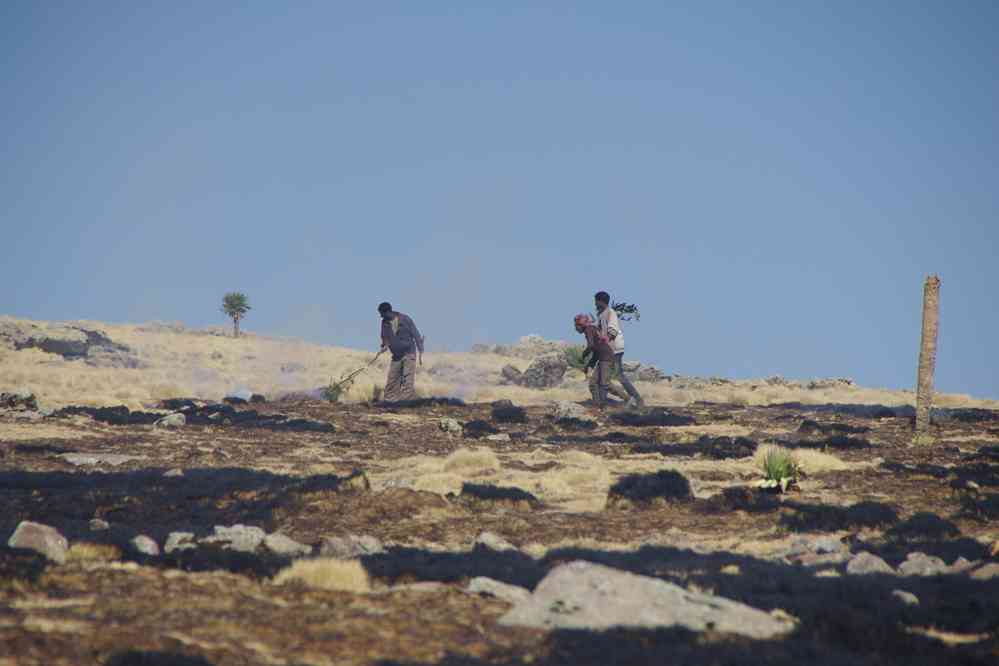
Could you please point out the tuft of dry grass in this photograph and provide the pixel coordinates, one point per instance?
(326, 573)
(469, 462)
(84, 551)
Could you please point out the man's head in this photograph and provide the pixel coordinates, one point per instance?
(581, 321)
(385, 310)
(602, 300)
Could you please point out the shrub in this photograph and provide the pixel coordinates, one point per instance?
(780, 469)
(574, 357)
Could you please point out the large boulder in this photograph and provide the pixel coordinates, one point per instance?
(41, 539)
(545, 371)
(583, 595)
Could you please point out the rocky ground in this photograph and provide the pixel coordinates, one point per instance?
(306, 532)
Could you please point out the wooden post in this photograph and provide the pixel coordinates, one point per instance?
(927, 358)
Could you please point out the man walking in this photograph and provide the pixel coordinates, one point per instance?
(403, 339)
(601, 358)
(609, 325)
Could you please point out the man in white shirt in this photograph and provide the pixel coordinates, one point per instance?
(609, 326)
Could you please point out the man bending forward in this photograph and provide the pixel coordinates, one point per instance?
(403, 339)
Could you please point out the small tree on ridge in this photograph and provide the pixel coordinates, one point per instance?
(235, 306)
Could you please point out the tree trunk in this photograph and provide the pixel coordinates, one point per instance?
(927, 354)
(235, 327)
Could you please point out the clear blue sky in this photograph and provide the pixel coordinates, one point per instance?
(769, 181)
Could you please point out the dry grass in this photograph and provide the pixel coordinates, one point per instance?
(471, 462)
(326, 574)
(193, 363)
(84, 551)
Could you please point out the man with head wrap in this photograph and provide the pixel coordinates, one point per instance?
(601, 358)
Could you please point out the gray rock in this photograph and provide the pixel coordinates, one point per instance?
(41, 539)
(493, 541)
(494, 588)
(867, 563)
(113, 459)
(242, 538)
(986, 572)
(179, 541)
(283, 545)
(960, 565)
(827, 544)
(907, 598)
(176, 471)
(145, 545)
(545, 371)
(450, 425)
(20, 400)
(821, 545)
(98, 524)
(175, 420)
(651, 374)
(511, 374)
(921, 564)
(583, 595)
(500, 437)
(350, 546)
(563, 409)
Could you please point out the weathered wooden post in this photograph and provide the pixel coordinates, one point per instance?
(927, 359)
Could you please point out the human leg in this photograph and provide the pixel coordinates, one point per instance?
(625, 382)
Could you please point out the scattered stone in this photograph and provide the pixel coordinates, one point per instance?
(545, 371)
(98, 524)
(583, 595)
(921, 564)
(113, 459)
(176, 471)
(907, 598)
(171, 421)
(494, 588)
(145, 545)
(41, 539)
(650, 374)
(284, 545)
(499, 437)
(826, 544)
(960, 565)
(350, 546)
(868, 563)
(563, 409)
(450, 425)
(511, 374)
(493, 541)
(241, 538)
(986, 572)
(179, 541)
(19, 401)
(504, 411)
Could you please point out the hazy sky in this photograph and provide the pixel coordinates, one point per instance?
(769, 181)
